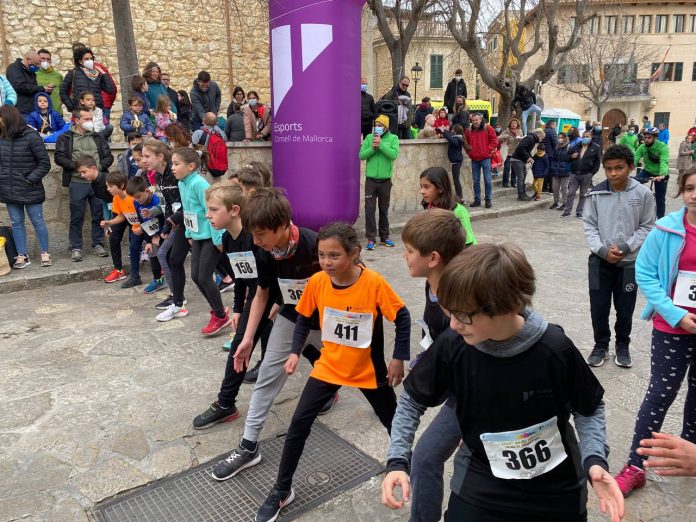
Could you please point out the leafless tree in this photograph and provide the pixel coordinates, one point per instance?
(525, 29)
(605, 66)
(397, 23)
(126, 51)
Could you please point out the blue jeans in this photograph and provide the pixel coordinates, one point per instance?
(437, 444)
(525, 116)
(19, 234)
(476, 167)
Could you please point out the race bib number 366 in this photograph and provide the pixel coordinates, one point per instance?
(291, 290)
(346, 328)
(525, 453)
(685, 289)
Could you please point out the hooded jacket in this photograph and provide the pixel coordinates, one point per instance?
(24, 83)
(49, 123)
(8, 96)
(64, 149)
(203, 102)
(541, 166)
(76, 82)
(483, 142)
(380, 162)
(23, 164)
(51, 76)
(620, 218)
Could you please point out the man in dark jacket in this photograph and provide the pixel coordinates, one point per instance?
(205, 97)
(399, 94)
(22, 76)
(368, 111)
(523, 157)
(550, 142)
(423, 110)
(456, 87)
(596, 134)
(78, 141)
(585, 162)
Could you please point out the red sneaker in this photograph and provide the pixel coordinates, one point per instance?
(216, 323)
(115, 275)
(630, 478)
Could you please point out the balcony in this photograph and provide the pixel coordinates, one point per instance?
(638, 90)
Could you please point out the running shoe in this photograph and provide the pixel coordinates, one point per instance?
(387, 242)
(216, 324)
(623, 357)
(76, 255)
(240, 459)
(172, 312)
(225, 287)
(630, 478)
(578, 215)
(597, 357)
(489, 204)
(168, 302)
(144, 257)
(228, 345)
(252, 374)
(131, 282)
(115, 275)
(370, 245)
(100, 251)
(276, 501)
(215, 415)
(328, 406)
(46, 259)
(21, 261)
(154, 285)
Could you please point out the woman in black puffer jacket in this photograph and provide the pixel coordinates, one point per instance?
(84, 78)
(23, 164)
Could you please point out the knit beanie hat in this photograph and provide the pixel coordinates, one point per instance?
(382, 119)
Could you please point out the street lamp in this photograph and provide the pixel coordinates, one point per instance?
(416, 72)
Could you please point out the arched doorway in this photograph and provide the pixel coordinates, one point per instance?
(611, 118)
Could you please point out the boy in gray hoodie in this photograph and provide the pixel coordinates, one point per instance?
(620, 213)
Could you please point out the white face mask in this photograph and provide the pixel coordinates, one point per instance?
(457, 78)
(253, 102)
(88, 126)
(89, 64)
(45, 65)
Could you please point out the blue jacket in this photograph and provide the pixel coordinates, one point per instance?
(8, 96)
(559, 164)
(128, 118)
(50, 125)
(540, 167)
(664, 136)
(657, 267)
(192, 189)
(146, 102)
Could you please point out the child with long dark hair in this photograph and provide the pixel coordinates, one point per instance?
(437, 192)
(185, 112)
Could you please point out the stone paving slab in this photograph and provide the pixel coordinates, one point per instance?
(97, 397)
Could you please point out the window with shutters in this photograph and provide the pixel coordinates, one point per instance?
(678, 22)
(645, 21)
(610, 24)
(628, 24)
(436, 71)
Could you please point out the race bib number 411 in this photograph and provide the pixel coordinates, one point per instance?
(346, 328)
(526, 453)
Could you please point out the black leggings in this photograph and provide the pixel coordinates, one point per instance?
(176, 258)
(115, 238)
(460, 511)
(204, 257)
(315, 394)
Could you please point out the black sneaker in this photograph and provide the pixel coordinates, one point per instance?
(225, 287)
(252, 374)
(578, 215)
(524, 197)
(565, 214)
(623, 357)
(597, 357)
(275, 502)
(215, 415)
(238, 460)
(326, 408)
(554, 206)
(166, 303)
(131, 282)
(476, 203)
(488, 203)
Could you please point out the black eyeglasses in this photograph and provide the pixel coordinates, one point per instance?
(466, 318)
(404, 85)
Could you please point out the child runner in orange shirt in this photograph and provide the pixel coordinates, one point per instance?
(351, 301)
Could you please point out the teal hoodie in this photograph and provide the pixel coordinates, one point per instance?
(192, 189)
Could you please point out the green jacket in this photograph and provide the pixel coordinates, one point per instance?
(630, 140)
(380, 162)
(44, 78)
(192, 190)
(463, 215)
(657, 150)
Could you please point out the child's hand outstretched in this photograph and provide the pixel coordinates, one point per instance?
(291, 364)
(395, 372)
(611, 500)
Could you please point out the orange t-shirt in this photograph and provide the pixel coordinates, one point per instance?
(351, 327)
(126, 208)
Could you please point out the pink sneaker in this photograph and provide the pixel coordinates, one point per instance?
(630, 478)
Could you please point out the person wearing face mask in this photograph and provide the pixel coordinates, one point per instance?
(238, 99)
(629, 138)
(205, 97)
(262, 114)
(456, 87)
(85, 77)
(22, 76)
(47, 75)
(380, 149)
(81, 140)
(596, 135)
(107, 97)
(632, 125)
(585, 162)
(368, 111)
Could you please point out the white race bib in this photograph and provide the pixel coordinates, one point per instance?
(291, 289)
(346, 328)
(132, 218)
(685, 289)
(191, 221)
(525, 453)
(109, 206)
(151, 227)
(426, 341)
(243, 265)
(176, 206)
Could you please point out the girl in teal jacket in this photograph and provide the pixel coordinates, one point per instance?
(8, 96)
(206, 242)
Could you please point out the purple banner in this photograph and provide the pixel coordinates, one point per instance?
(315, 78)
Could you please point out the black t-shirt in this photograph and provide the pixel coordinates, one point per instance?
(495, 395)
(302, 265)
(433, 315)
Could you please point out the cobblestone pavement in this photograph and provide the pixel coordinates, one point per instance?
(97, 397)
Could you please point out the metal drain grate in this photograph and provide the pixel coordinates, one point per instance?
(329, 466)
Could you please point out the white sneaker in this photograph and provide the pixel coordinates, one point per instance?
(144, 257)
(172, 312)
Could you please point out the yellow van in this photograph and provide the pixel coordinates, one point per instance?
(481, 106)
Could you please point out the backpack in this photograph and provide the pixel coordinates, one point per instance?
(217, 150)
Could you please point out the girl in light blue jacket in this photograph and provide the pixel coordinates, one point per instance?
(666, 275)
(8, 96)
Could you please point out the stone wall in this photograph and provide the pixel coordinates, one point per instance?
(414, 157)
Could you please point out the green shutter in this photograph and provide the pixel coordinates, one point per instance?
(679, 67)
(436, 71)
